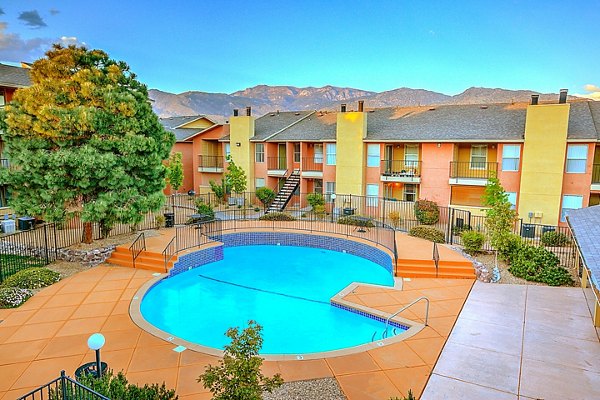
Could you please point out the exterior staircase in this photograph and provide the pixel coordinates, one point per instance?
(285, 193)
(448, 269)
(147, 260)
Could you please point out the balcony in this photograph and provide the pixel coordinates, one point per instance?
(212, 164)
(276, 166)
(312, 167)
(595, 177)
(472, 173)
(401, 171)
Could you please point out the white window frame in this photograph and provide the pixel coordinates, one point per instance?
(2, 98)
(507, 158)
(406, 194)
(573, 201)
(297, 153)
(331, 149)
(259, 182)
(259, 152)
(227, 150)
(372, 191)
(512, 199)
(318, 155)
(473, 162)
(576, 164)
(329, 190)
(373, 155)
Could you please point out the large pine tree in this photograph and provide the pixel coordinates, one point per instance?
(83, 138)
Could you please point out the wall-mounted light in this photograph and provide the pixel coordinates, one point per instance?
(439, 145)
(237, 144)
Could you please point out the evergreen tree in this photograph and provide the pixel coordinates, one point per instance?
(501, 218)
(83, 137)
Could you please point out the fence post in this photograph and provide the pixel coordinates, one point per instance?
(63, 386)
(46, 244)
(449, 225)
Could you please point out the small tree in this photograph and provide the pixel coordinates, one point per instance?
(175, 171)
(219, 189)
(238, 376)
(500, 216)
(235, 177)
(265, 195)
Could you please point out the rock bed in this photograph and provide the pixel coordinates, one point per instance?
(316, 389)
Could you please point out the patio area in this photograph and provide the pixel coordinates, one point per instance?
(49, 332)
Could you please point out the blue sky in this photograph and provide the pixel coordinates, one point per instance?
(224, 46)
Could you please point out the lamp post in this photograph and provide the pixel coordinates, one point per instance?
(333, 196)
(95, 342)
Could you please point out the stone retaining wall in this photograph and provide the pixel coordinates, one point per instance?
(87, 258)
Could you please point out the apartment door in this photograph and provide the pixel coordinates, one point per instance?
(388, 157)
(281, 154)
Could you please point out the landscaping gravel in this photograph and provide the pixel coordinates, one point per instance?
(316, 389)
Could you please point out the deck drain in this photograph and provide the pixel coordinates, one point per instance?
(179, 349)
(156, 274)
(299, 357)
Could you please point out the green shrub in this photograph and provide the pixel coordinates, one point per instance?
(472, 241)
(356, 220)
(553, 239)
(205, 209)
(116, 387)
(538, 265)
(32, 278)
(265, 195)
(509, 245)
(396, 218)
(428, 232)
(427, 212)
(11, 297)
(319, 210)
(277, 216)
(315, 199)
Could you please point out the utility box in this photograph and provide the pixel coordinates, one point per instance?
(8, 226)
(26, 223)
(169, 220)
(528, 231)
(348, 211)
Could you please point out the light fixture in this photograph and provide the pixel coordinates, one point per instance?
(237, 144)
(439, 145)
(95, 342)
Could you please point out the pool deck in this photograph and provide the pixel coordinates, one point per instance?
(49, 333)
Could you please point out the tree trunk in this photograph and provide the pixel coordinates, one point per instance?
(87, 233)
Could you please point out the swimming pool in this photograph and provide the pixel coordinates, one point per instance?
(286, 289)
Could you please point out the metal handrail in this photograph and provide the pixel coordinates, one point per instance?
(168, 253)
(63, 388)
(137, 247)
(387, 321)
(436, 258)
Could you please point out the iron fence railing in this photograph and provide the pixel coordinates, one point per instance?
(277, 163)
(312, 164)
(401, 168)
(211, 162)
(138, 245)
(473, 169)
(63, 388)
(596, 173)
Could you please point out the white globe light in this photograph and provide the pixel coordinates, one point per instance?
(96, 341)
(333, 196)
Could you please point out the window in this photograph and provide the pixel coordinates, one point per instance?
(318, 157)
(510, 157)
(372, 194)
(329, 190)
(2, 98)
(512, 199)
(331, 148)
(411, 156)
(318, 186)
(409, 193)
(260, 182)
(227, 150)
(569, 203)
(259, 152)
(373, 155)
(296, 152)
(478, 156)
(576, 158)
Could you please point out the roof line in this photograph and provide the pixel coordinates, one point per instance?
(194, 120)
(289, 126)
(593, 120)
(203, 131)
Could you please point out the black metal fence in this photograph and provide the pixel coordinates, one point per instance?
(63, 388)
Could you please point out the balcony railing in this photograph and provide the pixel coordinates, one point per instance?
(279, 163)
(596, 173)
(473, 170)
(401, 168)
(212, 162)
(312, 164)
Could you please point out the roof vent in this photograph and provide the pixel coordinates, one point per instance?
(297, 113)
(235, 112)
(248, 111)
(562, 98)
(343, 107)
(361, 105)
(431, 108)
(483, 107)
(272, 114)
(535, 98)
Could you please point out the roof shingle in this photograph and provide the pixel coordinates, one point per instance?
(15, 77)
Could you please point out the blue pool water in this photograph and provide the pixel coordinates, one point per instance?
(285, 289)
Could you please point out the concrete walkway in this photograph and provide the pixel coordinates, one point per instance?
(519, 342)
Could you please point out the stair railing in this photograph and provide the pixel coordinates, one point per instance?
(436, 258)
(169, 252)
(387, 321)
(137, 247)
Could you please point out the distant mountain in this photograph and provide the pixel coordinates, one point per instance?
(264, 98)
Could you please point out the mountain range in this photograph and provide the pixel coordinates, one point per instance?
(265, 98)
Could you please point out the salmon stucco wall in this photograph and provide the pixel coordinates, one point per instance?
(510, 180)
(436, 172)
(578, 184)
(187, 151)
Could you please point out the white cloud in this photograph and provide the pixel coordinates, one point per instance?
(593, 92)
(70, 40)
(16, 49)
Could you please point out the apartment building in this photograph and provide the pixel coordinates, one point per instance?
(546, 155)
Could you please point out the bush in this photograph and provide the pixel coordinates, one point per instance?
(277, 216)
(265, 195)
(11, 297)
(509, 246)
(472, 241)
(116, 387)
(356, 220)
(395, 218)
(555, 239)
(205, 209)
(538, 265)
(32, 278)
(427, 212)
(319, 210)
(315, 199)
(428, 232)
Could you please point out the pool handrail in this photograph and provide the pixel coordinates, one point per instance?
(387, 321)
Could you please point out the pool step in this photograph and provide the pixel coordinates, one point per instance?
(452, 269)
(147, 260)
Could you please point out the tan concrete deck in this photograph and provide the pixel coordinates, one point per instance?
(49, 333)
(520, 342)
